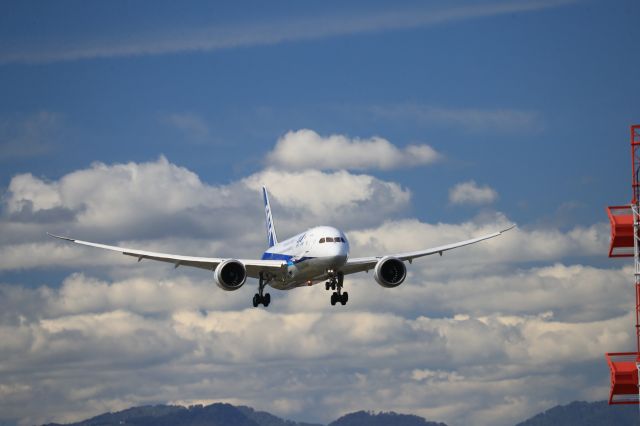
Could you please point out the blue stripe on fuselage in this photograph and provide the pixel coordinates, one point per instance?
(285, 257)
(275, 256)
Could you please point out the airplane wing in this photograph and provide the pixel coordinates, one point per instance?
(253, 266)
(360, 264)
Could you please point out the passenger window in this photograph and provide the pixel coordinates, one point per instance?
(329, 239)
(321, 240)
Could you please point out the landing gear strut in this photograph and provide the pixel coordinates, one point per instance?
(259, 297)
(335, 283)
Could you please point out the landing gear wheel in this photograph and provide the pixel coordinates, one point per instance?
(335, 283)
(259, 297)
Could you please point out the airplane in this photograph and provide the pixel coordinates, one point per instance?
(319, 254)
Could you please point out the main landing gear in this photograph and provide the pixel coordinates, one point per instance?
(259, 297)
(335, 283)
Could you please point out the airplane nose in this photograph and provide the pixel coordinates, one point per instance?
(338, 250)
(338, 260)
(339, 254)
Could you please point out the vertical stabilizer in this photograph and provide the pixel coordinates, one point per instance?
(272, 239)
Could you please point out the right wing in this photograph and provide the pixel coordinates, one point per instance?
(360, 264)
(254, 266)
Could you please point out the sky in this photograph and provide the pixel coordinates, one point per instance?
(153, 125)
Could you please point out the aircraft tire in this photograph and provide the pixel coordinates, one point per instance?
(266, 299)
(344, 299)
(334, 298)
(256, 300)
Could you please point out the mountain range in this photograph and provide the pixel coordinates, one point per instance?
(575, 413)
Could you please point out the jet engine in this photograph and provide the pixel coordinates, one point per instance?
(390, 272)
(230, 275)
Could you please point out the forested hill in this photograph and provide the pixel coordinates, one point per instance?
(587, 414)
(573, 414)
(229, 415)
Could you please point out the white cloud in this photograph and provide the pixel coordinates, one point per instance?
(164, 207)
(329, 195)
(471, 193)
(27, 191)
(132, 194)
(121, 197)
(184, 331)
(491, 290)
(306, 149)
(503, 326)
(206, 39)
(516, 245)
(94, 335)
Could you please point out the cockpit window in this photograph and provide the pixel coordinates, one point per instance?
(332, 240)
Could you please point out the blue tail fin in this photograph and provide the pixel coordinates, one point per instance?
(272, 239)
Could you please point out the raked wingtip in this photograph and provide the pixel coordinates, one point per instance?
(508, 229)
(60, 237)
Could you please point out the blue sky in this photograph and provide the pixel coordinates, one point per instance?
(568, 69)
(528, 103)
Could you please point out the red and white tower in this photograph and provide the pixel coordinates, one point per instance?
(625, 242)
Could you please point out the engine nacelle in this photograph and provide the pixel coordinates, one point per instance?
(230, 275)
(390, 272)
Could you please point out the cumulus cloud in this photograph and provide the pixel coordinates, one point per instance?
(306, 149)
(119, 200)
(471, 193)
(147, 204)
(132, 194)
(87, 339)
(508, 326)
(520, 244)
(342, 198)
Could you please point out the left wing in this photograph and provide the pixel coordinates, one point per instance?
(360, 264)
(253, 266)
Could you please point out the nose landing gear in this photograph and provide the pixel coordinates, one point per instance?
(335, 283)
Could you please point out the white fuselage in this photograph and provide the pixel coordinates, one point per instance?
(311, 257)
